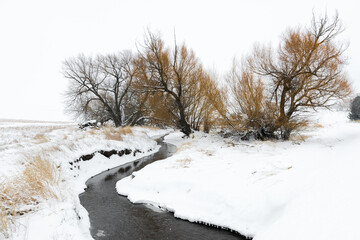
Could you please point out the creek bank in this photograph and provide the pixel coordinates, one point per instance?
(105, 153)
(114, 217)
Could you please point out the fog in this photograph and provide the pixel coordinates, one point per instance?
(37, 36)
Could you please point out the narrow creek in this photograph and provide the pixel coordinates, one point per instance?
(114, 217)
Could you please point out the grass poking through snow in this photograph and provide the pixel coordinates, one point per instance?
(116, 133)
(23, 192)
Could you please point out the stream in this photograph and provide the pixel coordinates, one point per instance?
(114, 217)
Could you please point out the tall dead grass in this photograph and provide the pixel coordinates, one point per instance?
(6, 216)
(23, 192)
(317, 125)
(116, 134)
(297, 138)
(40, 138)
(183, 146)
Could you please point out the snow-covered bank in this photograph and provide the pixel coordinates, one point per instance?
(64, 217)
(266, 190)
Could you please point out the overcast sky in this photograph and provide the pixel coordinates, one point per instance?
(36, 36)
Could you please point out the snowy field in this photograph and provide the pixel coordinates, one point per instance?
(306, 188)
(61, 216)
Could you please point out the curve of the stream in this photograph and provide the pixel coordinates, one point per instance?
(114, 217)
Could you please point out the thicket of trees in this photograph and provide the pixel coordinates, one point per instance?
(266, 94)
(304, 72)
(158, 85)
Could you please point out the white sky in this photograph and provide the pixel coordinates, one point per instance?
(36, 36)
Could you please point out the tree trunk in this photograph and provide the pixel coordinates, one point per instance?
(182, 123)
(206, 128)
(184, 127)
(117, 122)
(285, 133)
(283, 124)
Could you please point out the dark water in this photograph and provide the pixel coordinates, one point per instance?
(114, 217)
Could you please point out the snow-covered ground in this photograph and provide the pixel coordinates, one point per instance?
(307, 188)
(63, 217)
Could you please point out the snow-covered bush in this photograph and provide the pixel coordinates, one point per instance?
(355, 109)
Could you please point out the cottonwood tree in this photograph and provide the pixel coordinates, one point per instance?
(201, 110)
(249, 110)
(305, 72)
(101, 88)
(177, 83)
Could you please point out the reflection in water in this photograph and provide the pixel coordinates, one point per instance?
(109, 177)
(114, 217)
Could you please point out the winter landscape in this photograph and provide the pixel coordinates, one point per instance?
(304, 188)
(167, 129)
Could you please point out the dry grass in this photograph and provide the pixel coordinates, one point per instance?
(22, 193)
(6, 219)
(299, 137)
(40, 175)
(208, 152)
(183, 146)
(116, 133)
(125, 130)
(110, 134)
(317, 125)
(92, 132)
(183, 163)
(40, 138)
(53, 148)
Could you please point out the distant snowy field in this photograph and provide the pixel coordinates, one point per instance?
(306, 188)
(63, 218)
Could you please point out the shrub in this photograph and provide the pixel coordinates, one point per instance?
(355, 109)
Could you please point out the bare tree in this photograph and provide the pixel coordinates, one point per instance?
(177, 80)
(305, 72)
(101, 88)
